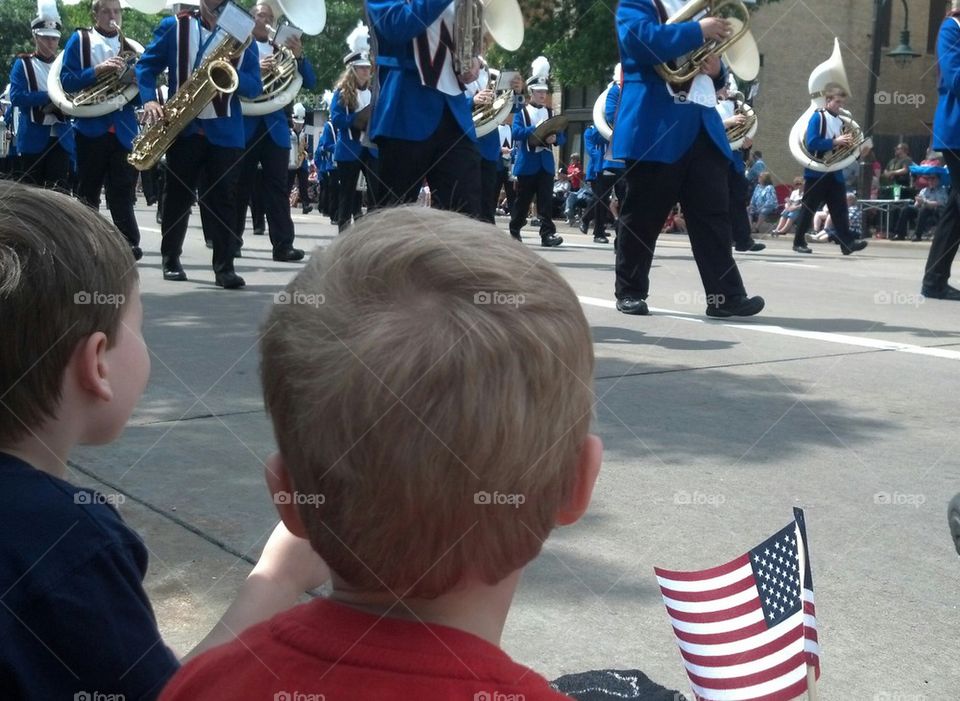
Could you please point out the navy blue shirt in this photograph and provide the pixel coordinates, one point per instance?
(73, 613)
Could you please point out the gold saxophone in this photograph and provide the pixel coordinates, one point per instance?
(216, 75)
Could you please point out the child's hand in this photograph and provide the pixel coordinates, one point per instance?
(290, 560)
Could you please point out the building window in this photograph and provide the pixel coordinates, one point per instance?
(938, 10)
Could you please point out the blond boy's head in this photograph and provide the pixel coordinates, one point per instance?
(431, 379)
(65, 274)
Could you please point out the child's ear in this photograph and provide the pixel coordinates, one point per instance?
(281, 489)
(89, 366)
(587, 469)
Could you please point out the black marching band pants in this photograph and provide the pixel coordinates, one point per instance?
(539, 186)
(103, 160)
(271, 186)
(698, 180)
(946, 238)
(193, 160)
(50, 168)
(608, 184)
(448, 160)
(826, 188)
(349, 202)
(489, 192)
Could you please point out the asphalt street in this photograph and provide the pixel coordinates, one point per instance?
(841, 397)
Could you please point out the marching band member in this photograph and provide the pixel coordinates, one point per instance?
(505, 165)
(44, 135)
(738, 185)
(327, 147)
(479, 93)
(103, 143)
(596, 145)
(299, 171)
(610, 179)
(209, 150)
(535, 165)
(421, 122)
(350, 114)
(268, 144)
(946, 138)
(686, 157)
(824, 133)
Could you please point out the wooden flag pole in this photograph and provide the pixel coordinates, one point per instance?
(811, 683)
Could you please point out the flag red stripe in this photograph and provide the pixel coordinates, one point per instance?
(791, 636)
(811, 634)
(731, 636)
(710, 594)
(789, 693)
(715, 616)
(717, 571)
(766, 675)
(809, 608)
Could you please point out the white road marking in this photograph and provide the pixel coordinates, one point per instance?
(795, 333)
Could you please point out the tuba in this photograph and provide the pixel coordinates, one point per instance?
(215, 76)
(282, 83)
(736, 135)
(486, 118)
(830, 72)
(502, 19)
(600, 107)
(110, 93)
(739, 50)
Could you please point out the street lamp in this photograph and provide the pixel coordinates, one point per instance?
(903, 54)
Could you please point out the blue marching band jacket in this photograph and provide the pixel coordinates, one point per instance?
(349, 146)
(610, 108)
(596, 146)
(532, 160)
(415, 69)
(946, 120)
(276, 122)
(28, 92)
(821, 130)
(323, 157)
(179, 45)
(652, 123)
(85, 49)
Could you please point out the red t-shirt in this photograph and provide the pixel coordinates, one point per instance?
(575, 173)
(336, 653)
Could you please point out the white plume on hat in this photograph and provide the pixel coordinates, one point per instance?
(299, 112)
(358, 41)
(47, 10)
(327, 98)
(541, 68)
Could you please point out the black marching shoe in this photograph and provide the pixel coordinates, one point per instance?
(289, 255)
(601, 239)
(802, 249)
(258, 232)
(751, 247)
(945, 292)
(515, 236)
(173, 271)
(632, 305)
(208, 243)
(551, 240)
(745, 306)
(854, 246)
(583, 226)
(229, 281)
(137, 252)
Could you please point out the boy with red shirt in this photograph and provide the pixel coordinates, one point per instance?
(444, 435)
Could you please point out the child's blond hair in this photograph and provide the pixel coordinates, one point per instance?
(431, 379)
(65, 273)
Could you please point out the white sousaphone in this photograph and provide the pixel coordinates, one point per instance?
(111, 93)
(282, 85)
(829, 73)
(600, 107)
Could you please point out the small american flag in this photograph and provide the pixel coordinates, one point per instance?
(747, 630)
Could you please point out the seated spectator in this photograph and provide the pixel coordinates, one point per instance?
(897, 171)
(791, 209)
(933, 159)
(929, 203)
(854, 217)
(818, 231)
(675, 223)
(427, 522)
(763, 201)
